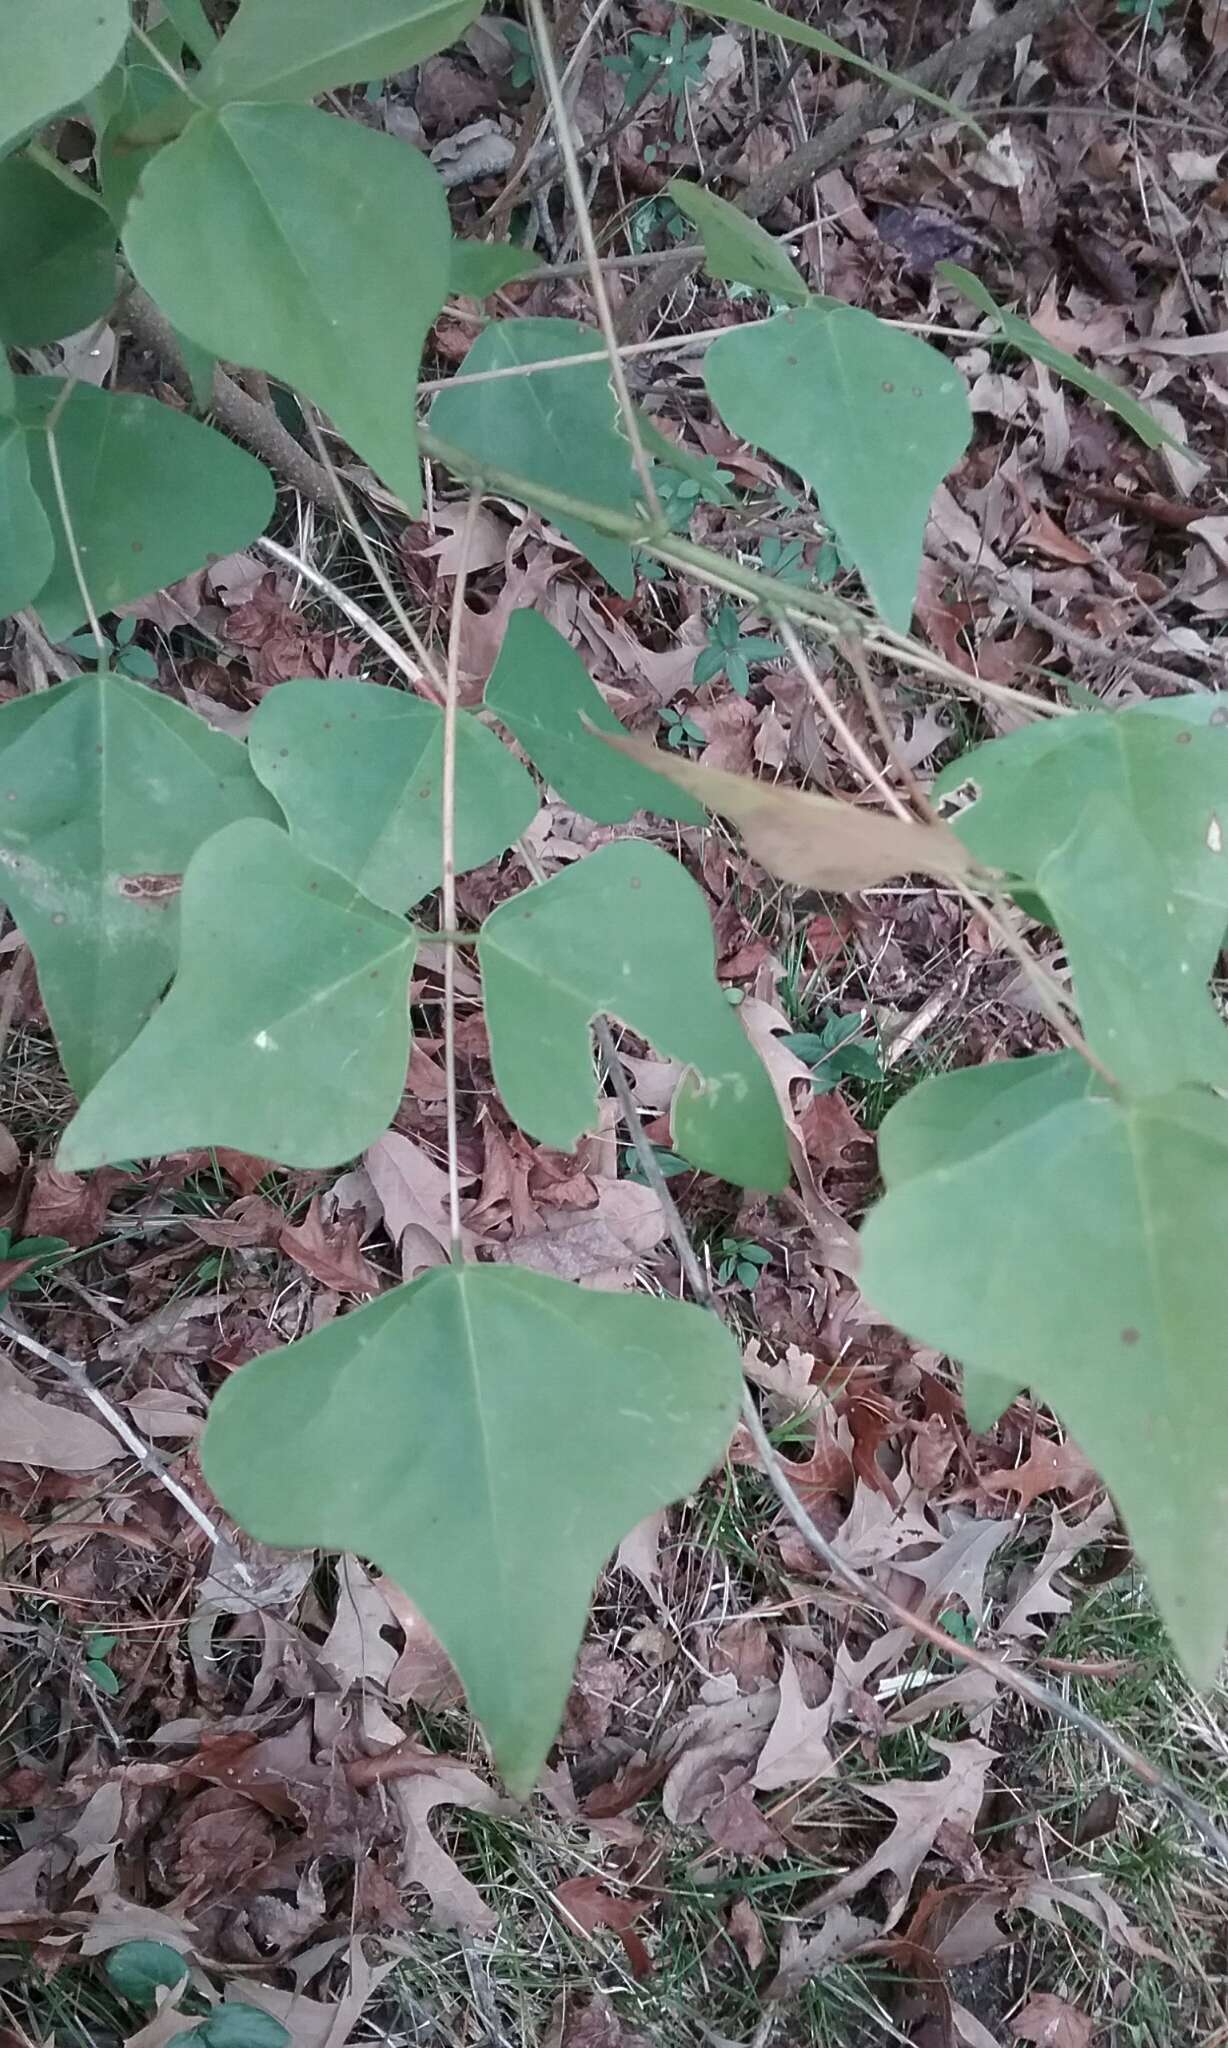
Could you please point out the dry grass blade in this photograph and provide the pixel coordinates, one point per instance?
(814, 841)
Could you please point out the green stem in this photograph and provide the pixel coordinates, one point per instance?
(824, 614)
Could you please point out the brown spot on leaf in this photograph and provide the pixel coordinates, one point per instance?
(1129, 1335)
(149, 888)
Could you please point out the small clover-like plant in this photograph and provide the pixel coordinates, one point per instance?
(732, 653)
(667, 65)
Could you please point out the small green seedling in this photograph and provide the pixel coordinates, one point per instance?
(837, 1051)
(97, 1649)
(520, 43)
(681, 732)
(743, 1260)
(732, 653)
(124, 657)
(31, 1254)
(669, 1163)
(667, 65)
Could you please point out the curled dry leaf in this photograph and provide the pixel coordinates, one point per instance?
(816, 842)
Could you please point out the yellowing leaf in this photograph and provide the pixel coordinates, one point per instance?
(817, 842)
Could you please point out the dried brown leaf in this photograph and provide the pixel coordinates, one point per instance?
(70, 1205)
(1050, 2020)
(1049, 1468)
(10, 1153)
(920, 1810)
(47, 1435)
(248, 1222)
(455, 1902)
(815, 842)
(330, 1252)
(842, 1934)
(796, 1751)
(598, 1244)
(412, 1189)
(312, 2024)
(746, 1928)
(423, 1672)
(589, 1906)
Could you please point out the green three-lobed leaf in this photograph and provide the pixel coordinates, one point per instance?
(625, 931)
(55, 51)
(488, 1436)
(1102, 1286)
(1071, 1242)
(150, 494)
(1116, 828)
(57, 254)
(298, 49)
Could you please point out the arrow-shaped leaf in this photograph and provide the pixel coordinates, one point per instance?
(488, 1436)
(872, 418)
(307, 246)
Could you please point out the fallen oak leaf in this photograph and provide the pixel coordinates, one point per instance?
(413, 1191)
(589, 1906)
(1048, 1468)
(815, 842)
(329, 1252)
(455, 1902)
(797, 1750)
(920, 1809)
(249, 1222)
(842, 1934)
